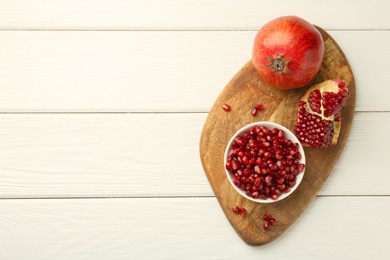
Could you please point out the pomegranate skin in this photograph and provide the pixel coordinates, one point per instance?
(288, 52)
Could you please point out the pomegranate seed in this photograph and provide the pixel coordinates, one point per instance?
(257, 181)
(291, 183)
(280, 180)
(253, 153)
(274, 196)
(267, 216)
(301, 167)
(266, 144)
(268, 179)
(234, 165)
(228, 166)
(280, 133)
(259, 107)
(243, 212)
(236, 209)
(267, 155)
(239, 141)
(255, 194)
(254, 112)
(252, 161)
(266, 225)
(258, 161)
(226, 107)
(244, 179)
(272, 221)
(245, 160)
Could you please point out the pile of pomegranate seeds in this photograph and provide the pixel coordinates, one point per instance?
(264, 162)
(268, 220)
(226, 107)
(236, 209)
(256, 109)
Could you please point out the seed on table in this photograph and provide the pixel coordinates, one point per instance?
(259, 107)
(254, 112)
(226, 107)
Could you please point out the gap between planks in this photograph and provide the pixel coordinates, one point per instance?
(164, 30)
(124, 112)
(164, 197)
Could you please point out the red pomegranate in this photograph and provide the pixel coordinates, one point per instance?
(288, 52)
(318, 122)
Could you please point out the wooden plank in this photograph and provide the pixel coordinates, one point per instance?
(99, 229)
(188, 14)
(153, 71)
(117, 155)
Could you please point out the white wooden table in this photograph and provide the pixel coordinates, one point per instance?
(101, 108)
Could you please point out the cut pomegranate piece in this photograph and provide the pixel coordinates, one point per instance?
(318, 122)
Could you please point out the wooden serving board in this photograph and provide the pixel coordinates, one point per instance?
(242, 93)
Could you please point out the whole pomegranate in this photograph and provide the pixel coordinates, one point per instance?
(288, 52)
(318, 122)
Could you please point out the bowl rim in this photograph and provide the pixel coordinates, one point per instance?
(289, 135)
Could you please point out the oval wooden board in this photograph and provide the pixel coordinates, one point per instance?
(242, 93)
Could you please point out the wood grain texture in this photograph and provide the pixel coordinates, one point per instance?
(190, 228)
(103, 155)
(243, 92)
(110, 71)
(187, 14)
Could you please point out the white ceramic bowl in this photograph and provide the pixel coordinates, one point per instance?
(289, 135)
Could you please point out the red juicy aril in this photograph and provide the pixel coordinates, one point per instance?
(264, 162)
(318, 122)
